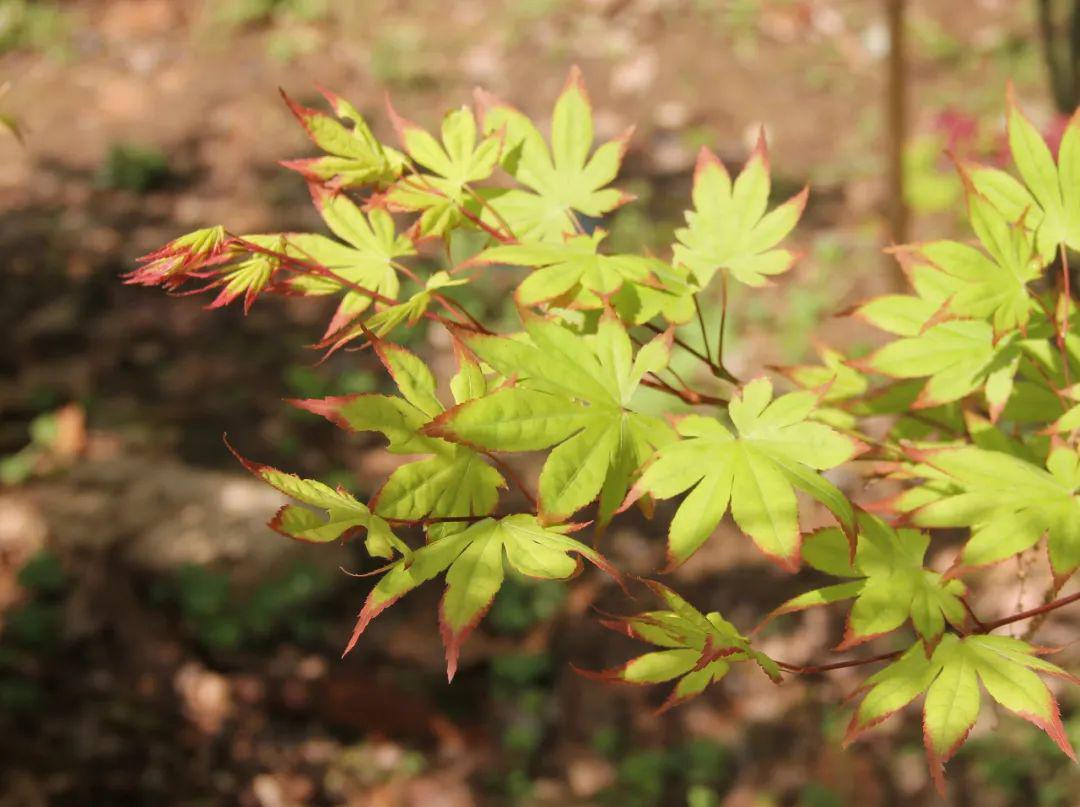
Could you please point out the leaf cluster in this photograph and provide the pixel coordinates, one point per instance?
(976, 381)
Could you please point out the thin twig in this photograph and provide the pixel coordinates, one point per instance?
(687, 395)
(837, 665)
(1053, 605)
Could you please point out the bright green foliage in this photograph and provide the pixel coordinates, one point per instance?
(572, 269)
(698, 649)
(443, 196)
(949, 676)
(957, 356)
(887, 581)
(729, 230)
(1009, 503)
(560, 182)
(969, 410)
(575, 398)
(354, 157)
(993, 285)
(473, 558)
(455, 480)
(1048, 199)
(775, 449)
(344, 515)
(366, 259)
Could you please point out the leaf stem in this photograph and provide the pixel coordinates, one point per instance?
(479, 222)
(704, 334)
(424, 522)
(1066, 301)
(723, 327)
(714, 368)
(484, 203)
(512, 475)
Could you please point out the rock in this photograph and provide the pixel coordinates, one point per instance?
(162, 514)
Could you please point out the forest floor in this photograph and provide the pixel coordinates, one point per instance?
(160, 646)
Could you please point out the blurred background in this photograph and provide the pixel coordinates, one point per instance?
(158, 645)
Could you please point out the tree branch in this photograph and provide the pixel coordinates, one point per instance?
(1061, 602)
(838, 665)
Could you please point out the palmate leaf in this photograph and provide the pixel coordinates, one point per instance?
(956, 357)
(728, 229)
(775, 449)
(455, 481)
(1047, 199)
(344, 515)
(365, 259)
(994, 284)
(887, 581)
(698, 649)
(563, 180)
(441, 194)
(573, 270)
(474, 558)
(354, 157)
(572, 393)
(950, 677)
(1008, 502)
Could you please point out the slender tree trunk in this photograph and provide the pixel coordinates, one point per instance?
(896, 122)
(1059, 28)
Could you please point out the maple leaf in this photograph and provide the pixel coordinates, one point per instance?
(474, 559)
(957, 357)
(344, 515)
(454, 481)
(573, 393)
(728, 229)
(950, 677)
(994, 284)
(887, 580)
(573, 270)
(1008, 502)
(182, 258)
(775, 448)
(698, 649)
(442, 195)
(355, 158)
(1047, 200)
(563, 180)
(366, 259)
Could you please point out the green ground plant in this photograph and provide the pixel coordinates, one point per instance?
(978, 382)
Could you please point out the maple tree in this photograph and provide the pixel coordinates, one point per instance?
(978, 382)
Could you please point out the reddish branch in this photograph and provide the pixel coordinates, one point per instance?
(836, 665)
(1053, 605)
(309, 267)
(687, 395)
(983, 627)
